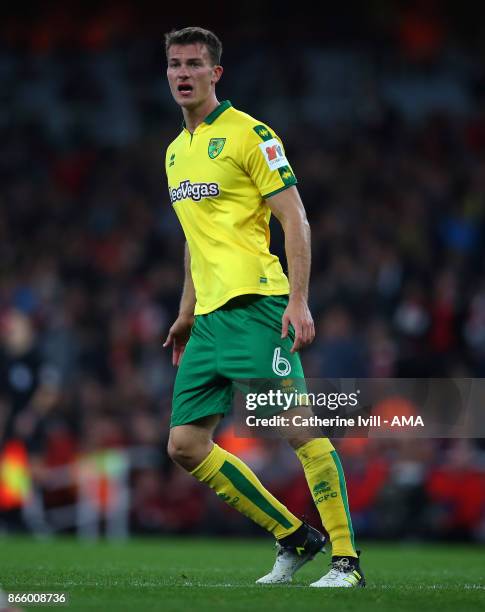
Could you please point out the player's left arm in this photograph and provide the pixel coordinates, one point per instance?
(288, 208)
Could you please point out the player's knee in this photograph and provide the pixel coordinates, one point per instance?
(184, 451)
(178, 452)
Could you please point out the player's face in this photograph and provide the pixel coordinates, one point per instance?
(191, 75)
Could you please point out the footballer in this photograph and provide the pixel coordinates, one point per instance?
(240, 316)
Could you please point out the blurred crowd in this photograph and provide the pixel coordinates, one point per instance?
(389, 151)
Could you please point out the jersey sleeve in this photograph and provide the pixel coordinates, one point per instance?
(265, 161)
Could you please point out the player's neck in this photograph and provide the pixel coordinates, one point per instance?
(195, 116)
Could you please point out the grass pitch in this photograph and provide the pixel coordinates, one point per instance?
(215, 574)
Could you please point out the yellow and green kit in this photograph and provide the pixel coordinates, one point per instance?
(240, 341)
(219, 179)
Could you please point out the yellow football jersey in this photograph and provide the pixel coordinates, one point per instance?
(218, 179)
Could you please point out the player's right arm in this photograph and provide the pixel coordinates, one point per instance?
(179, 333)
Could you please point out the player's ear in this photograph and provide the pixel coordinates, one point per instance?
(216, 74)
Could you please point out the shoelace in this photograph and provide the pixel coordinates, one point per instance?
(341, 565)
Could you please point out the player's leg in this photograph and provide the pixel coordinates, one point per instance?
(323, 471)
(201, 395)
(255, 350)
(272, 360)
(191, 446)
(245, 339)
(326, 481)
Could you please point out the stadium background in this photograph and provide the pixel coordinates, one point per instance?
(381, 108)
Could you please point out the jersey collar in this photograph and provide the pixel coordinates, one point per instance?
(211, 117)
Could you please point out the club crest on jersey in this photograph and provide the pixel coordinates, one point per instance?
(215, 147)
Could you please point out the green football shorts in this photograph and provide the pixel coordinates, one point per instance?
(239, 341)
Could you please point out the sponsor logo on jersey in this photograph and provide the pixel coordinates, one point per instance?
(273, 154)
(215, 147)
(193, 191)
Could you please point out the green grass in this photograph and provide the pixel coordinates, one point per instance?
(215, 574)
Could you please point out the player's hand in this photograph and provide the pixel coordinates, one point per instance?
(298, 314)
(178, 336)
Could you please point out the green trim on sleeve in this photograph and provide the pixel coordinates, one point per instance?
(269, 195)
(285, 172)
(263, 132)
(287, 175)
